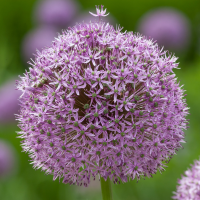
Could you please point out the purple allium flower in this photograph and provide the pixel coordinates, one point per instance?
(37, 39)
(189, 185)
(7, 160)
(56, 13)
(168, 26)
(103, 102)
(9, 102)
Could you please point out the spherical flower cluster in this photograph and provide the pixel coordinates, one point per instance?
(56, 13)
(189, 185)
(8, 104)
(103, 102)
(51, 16)
(169, 27)
(7, 159)
(37, 39)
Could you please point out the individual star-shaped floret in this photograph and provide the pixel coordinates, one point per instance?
(100, 12)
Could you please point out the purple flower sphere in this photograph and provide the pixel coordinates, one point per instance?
(189, 185)
(7, 160)
(56, 13)
(168, 26)
(9, 102)
(103, 102)
(36, 40)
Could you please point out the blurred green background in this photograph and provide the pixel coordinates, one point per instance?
(27, 183)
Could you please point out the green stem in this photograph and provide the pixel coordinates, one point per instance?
(106, 189)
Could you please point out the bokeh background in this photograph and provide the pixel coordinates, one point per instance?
(27, 25)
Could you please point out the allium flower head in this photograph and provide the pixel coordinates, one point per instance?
(7, 160)
(103, 102)
(9, 103)
(37, 39)
(189, 185)
(169, 27)
(56, 13)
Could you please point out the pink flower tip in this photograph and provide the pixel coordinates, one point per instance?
(100, 12)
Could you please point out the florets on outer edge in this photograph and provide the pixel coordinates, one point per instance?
(111, 112)
(100, 12)
(189, 185)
